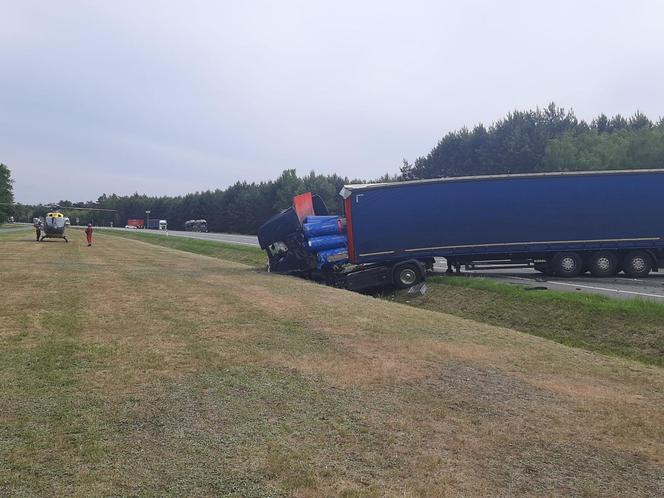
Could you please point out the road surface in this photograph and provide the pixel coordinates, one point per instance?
(230, 238)
(621, 287)
(12, 228)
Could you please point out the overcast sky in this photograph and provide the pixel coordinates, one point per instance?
(168, 97)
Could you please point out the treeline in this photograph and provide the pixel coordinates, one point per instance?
(6, 194)
(550, 139)
(241, 208)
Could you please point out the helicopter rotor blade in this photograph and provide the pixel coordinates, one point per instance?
(59, 207)
(84, 209)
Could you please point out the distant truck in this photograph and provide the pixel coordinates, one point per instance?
(136, 223)
(157, 224)
(560, 224)
(196, 226)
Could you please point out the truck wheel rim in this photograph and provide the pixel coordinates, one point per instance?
(604, 264)
(568, 264)
(639, 264)
(408, 276)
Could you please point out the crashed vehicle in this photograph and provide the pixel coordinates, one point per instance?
(306, 241)
(560, 224)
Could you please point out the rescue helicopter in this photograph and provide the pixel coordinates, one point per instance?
(53, 227)
(54, 223)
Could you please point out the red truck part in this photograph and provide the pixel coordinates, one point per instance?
(136, 223)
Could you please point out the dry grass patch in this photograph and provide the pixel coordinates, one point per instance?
(157, 372)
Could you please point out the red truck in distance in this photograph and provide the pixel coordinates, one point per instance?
(135, 224)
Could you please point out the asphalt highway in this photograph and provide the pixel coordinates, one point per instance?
(247, 240)
(230, 238)
(621, 287)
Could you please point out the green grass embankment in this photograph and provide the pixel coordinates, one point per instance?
(631, 328)
(247, 255)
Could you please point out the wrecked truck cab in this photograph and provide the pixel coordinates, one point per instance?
(282, 236)
(306, 241)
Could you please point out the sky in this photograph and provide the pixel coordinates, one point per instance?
(166, 98)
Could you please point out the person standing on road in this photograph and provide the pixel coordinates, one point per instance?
(88, 234)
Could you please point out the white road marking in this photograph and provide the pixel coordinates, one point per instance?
(604, 289)
(514, 277)
(592, 287)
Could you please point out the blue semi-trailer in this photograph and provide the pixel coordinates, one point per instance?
(561, 224)
(156, 224)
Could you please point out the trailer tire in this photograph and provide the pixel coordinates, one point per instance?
(406, 275)
(637, 264)
(603, 264)
(567, 264)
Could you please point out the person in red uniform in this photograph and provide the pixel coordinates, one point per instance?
(88, 234)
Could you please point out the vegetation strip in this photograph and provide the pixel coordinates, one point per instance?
(247, 255)
(631, 328)
(627, 328)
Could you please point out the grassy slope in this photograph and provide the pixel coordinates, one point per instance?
(629, 328)
(128, 369)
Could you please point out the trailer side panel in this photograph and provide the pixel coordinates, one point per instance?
(522, 214)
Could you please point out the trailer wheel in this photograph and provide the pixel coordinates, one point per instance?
(637, 264)
(603, 264)
(406, 275)
(567, 264)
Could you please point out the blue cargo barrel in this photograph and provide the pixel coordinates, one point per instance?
(315, 244)
(329, 227)
(330, 257)
(319, 219)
